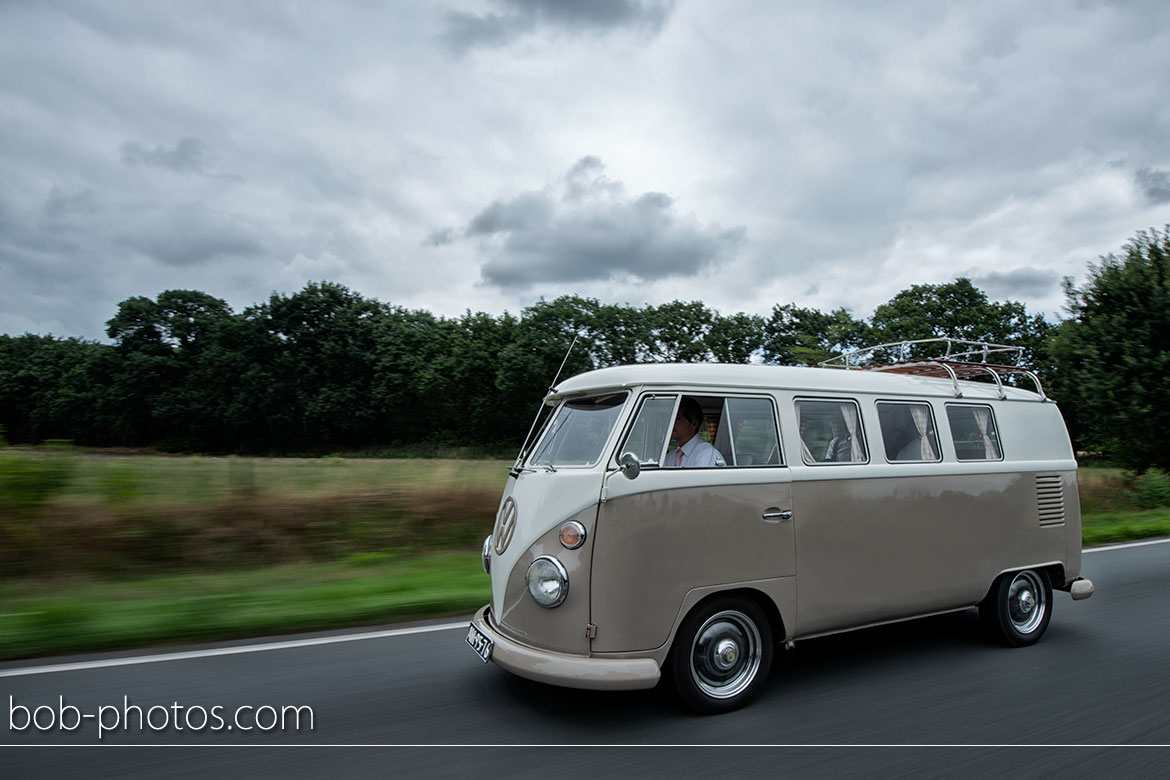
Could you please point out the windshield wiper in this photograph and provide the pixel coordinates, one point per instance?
(516, 471)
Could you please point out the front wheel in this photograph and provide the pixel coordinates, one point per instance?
(1017, 610)
(722, 655)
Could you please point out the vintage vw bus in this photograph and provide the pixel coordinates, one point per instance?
(839, 499)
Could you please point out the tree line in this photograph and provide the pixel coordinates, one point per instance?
(326, 368)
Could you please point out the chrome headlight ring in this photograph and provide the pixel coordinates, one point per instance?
(548, 582)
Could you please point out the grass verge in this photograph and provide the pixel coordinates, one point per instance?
(50, 617)
(1124, 526)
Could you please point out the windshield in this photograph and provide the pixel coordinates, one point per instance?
(578, 431)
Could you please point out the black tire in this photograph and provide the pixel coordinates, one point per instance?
(721, 655)
(1018, 608)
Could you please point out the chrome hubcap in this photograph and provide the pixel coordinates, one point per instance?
(1026, 607)
(725, 656)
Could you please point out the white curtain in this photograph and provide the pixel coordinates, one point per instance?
(849, 412)
(921, 420)
(983, 420)
(808, 458)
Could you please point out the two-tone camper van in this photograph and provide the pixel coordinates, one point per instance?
(832, 500)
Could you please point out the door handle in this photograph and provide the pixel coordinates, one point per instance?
(773, 515)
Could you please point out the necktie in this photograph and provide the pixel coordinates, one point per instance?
(678, 457)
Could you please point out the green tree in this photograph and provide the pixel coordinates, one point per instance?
(54, 388)
(409, 364)
(735, 338)
(679, 331)
(795, 336)
(1113, 353)
(321, 357)
(959, 310)
(622, 335)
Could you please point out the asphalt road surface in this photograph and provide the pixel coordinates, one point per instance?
(1100, 677)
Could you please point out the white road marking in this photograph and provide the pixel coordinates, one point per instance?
(215, 651)
(1123, 546)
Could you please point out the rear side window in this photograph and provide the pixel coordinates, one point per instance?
(908, 432)
(974, 432)
(831, 432)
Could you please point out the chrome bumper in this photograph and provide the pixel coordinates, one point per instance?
(570, 671)
(1081, 589)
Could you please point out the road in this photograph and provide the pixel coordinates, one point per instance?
(1101, 676)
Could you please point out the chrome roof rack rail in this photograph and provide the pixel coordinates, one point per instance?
(960, 359)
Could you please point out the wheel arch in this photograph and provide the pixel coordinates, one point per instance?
(1054, 570)
(761, 599)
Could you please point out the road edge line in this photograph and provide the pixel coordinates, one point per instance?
(233, 650)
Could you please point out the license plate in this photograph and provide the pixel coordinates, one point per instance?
(479, 643)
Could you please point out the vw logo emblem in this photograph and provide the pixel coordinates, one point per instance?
(505, 526)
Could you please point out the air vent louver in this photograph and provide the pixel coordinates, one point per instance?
(1050, 499)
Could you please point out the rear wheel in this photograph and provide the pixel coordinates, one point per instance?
(722, 655)
(1017, 610)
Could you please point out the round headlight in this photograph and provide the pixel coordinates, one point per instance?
(572, 535)
(548, 582)
(487, 554)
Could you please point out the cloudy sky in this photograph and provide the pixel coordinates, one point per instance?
(482, 154)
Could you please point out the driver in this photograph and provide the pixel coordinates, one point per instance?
(692, 451)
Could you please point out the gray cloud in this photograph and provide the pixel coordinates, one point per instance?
(865, 147)
(188, 155)
(586, 228)
(441, 237)
(466, 31)
(61, 204)
(191, 234)
(524, 212)
(1155, 184)
(1016, 284)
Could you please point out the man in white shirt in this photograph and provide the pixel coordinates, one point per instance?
(693, 451)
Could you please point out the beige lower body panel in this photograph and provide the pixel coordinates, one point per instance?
(570, 671)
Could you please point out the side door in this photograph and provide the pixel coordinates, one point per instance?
(885, 529)
(671, 530)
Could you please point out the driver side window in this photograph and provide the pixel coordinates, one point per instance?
(717, 431)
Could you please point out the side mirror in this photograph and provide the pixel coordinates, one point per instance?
(630, 465)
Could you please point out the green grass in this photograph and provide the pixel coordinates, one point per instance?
(51, 617)
(1124, 526)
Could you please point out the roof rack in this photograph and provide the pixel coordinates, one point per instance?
(957, 362)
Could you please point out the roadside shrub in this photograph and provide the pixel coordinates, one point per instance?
(1152, 489)
(28, 482)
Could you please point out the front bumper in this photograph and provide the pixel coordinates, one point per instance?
(570, 671)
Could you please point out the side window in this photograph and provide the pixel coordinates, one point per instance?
(718, 432)
(908, 432)
(974, 432)
(831, 432)
(747, 433)
(651, 428)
